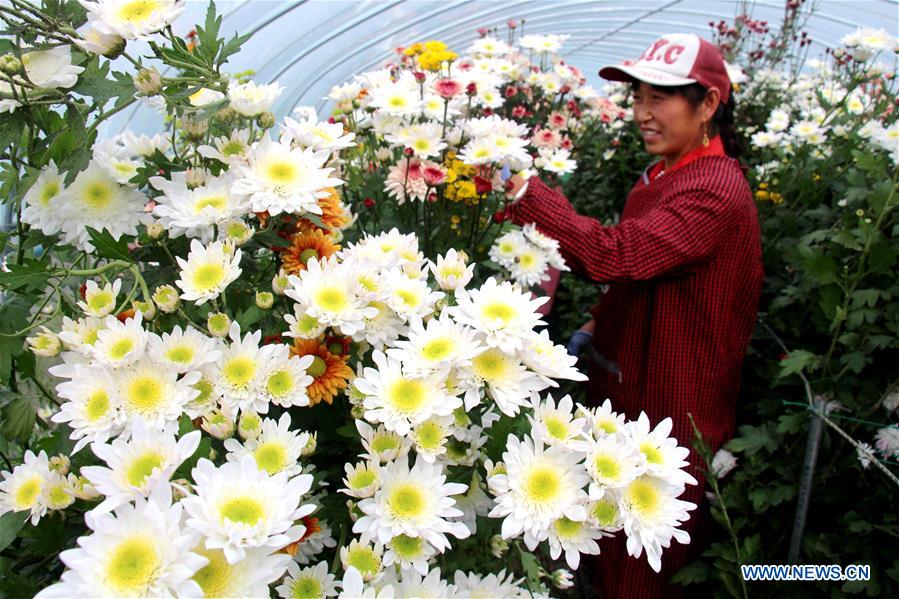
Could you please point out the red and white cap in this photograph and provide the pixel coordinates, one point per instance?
(675, 59)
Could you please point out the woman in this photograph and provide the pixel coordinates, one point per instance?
(684, 270)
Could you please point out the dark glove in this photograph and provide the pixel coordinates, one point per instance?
(578, 342)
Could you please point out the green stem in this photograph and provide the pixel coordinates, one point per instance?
(108, 114)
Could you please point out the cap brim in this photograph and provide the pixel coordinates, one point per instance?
(651, 76)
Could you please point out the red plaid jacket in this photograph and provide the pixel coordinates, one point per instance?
(684, 268)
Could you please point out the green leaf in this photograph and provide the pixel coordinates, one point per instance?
(818, 265)
(752, 439)
(11, 127)
(32, 274)
(18, 419)
(691, 574)
(796, 361)
(98, 83)
(107, 246)
(10, 525)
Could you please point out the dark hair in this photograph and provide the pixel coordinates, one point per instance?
(723, 120)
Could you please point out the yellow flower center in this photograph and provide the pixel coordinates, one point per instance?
(217, 202)
(490, 365)
(271, 456)
(437, 349)
(607, 466)
(364, 559)
(48, 192)
(307, 587)
(542, 484)
(407, 396)
(397, 102)
(144, 394)
(383, 443)
(406, 501)
(239, 371)
(307, 323)
(121, 348)
(181, 354)
(410, 298)
(97, 405)
(243, 510)
(133, 565)
(215, 577)
(652, 453)
(142, 467)
(58, 495)
(421, 145)
(643, 496)
(97, 195)
(28, 492)
(137, 11)
(279, 383)
(362, 479)
(308, 254)
(232, 148)
(567, 529)
(332, 299)
(281, 172)
(429, 435)
(205, 387)
(317, 368)
(406, 547)
(207, 277)
(527, 260)
(499, 311)
(556, 427)
(608, 425)
(100, 300)
(605, 512)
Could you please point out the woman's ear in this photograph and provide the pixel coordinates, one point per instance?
(710, 103)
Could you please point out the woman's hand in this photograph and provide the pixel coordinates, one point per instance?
(581, 338)
(513, 185)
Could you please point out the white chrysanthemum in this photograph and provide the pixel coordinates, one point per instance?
(207, 271)
(314, 542)
(276, 448)
(117, 160)
(507, 247)
(886, 441)
(154, 395)
(383, 329)
(250, 577)
(231, 149)
(94, 407)
(313, 582)
(303, 326)
(250, 99)
(500, 311)
(663, 457)
(238, 371)
(120, 343)
(279, 178)
(137, 466)
(542, 43)
(320, 136)
(141, 551)
(612, 462)
(435, 346)
(48, 69)
(25, 489)
(400, 98)
(409, 553)
(410, 297)
(722, 463)
(205, 96)
(451, 272)
(480, 150)
(238, 506)
(40, 205)
(194, 212)
(400, 400)
(412, 584)
(605, 513)
(100, 301)
(144, 145)
(530, 268)
(540, 486)
(96, 42)
(430, 437)
(651, 513)
(473, 503)
(603, 420)
(490, 46)
(549, 360)
(507, 381)
(284, 380)
(424, 139)
(132, 19)
(362, 480)
(324, 289)
(574, 538)
(366, 559)
(380, 444)
(96, 200)
(183, 351)
(474, 586)
(414, 502)
(557, 161)
(80, 335)
(555, 424)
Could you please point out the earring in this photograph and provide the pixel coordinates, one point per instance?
(705, 137)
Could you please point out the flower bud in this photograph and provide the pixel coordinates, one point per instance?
(82, 488)
(45, 344)
(155, 231)
(498, 546)
(310, 446)
(147, 309)
(218, 424)
(266, 120)
(264, 299)
(181, 488)
(226, 114)
(562, 579)
(10, 65)
(148, 81)
(196, 177)
(250, 425)
(218, 324)
(60, 464)
(193, 127)
(357, 412)
(280, 282)
(237, 231)
(167, 298)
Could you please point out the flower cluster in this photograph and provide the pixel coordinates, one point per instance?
(527, 254)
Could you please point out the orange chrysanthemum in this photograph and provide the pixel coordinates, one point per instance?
(334, 216)
(330, 374)
(305, 246)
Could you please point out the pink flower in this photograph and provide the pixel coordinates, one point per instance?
(447, 88)
(519, 112)
(402, 187)
(546, 138)
(567, 143)
(557, 120)
(433, 174)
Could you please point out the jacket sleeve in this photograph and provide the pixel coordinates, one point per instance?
(670, 238)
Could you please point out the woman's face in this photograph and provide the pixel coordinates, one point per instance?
(670, 125)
